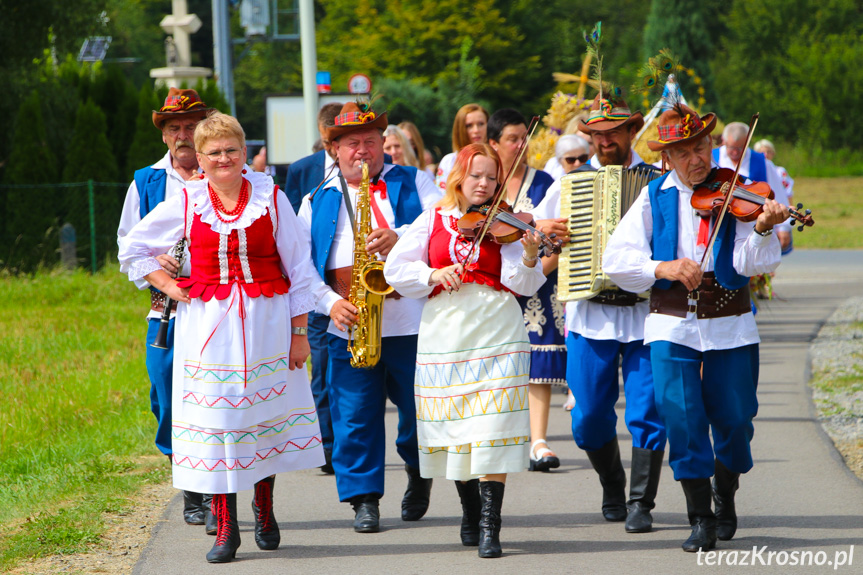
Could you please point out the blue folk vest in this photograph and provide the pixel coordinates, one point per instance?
(151, 184)
(326, 203)
(664, 204)
(757, 165)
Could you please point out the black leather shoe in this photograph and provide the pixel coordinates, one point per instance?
(725, 484)
(612, 477)
(699, 495)
(367, 518)
(491, 493)
(267, 535)
(211, 526)
(416, 499)
(327, 467)
(193, 511)
(644, 481)
(471, 505)
(228, 537)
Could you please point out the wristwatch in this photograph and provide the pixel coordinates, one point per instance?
(299, 330)
(763, 234)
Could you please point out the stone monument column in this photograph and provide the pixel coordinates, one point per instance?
(178, 50)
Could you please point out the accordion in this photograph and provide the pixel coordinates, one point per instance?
(593, 203)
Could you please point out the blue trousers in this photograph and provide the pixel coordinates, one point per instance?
(318, 341)
(723, 400)
(358, 404)
(592, 374)
(160, 365)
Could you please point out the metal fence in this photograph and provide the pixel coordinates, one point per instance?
(46, 225)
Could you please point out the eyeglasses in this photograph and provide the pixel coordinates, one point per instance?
(215, 155)
(571, 160)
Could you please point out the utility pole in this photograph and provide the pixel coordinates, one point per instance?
(310, 67)
(223, 52)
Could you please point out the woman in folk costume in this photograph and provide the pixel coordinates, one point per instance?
(473, 354)
(243, 408)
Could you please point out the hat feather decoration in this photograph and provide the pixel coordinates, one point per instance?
(594, 45)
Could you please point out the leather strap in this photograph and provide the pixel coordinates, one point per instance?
(711, 300)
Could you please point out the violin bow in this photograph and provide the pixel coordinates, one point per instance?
(724, 209)
(498, 197)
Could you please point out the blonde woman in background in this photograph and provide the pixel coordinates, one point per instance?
(416, 142)
(398, 147)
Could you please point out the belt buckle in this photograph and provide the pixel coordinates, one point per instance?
(695, 296)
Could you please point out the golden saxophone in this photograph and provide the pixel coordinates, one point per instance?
(368, 287)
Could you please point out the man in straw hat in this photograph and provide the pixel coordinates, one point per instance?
(176, 119)
(607, 335)
(358, 396)
(701, 331)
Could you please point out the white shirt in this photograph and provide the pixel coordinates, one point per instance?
(554, 168)
(166, 224)
(627, 261)
(584, 317)
(131, 214)
(407, 268)
(773, 179)
(400, 316)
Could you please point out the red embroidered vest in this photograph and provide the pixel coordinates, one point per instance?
(247, 256)
(447, 246)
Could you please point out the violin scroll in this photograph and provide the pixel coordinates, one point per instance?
(804, 218)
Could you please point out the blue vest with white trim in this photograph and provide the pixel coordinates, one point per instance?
(151, 184)
(664, 205)
(327, 202)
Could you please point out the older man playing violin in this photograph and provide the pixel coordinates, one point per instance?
(701, 331)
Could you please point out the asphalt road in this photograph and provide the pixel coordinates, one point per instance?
(799, 503)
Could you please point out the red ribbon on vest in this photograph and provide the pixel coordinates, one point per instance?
(380, 187)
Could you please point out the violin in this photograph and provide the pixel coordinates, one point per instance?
(506, 227)
(747, 200)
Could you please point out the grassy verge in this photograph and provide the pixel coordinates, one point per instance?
(75, 427)
(833, 202)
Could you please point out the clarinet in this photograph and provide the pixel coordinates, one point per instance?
(161, 341)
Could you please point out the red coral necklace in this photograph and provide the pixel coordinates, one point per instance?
(219, 208)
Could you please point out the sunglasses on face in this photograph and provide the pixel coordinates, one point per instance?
(572, 159)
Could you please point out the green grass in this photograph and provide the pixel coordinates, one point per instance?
(804, 161)
(76, 432)
(834, 204)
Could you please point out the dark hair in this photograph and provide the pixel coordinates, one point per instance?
(327, 114)
(501, 119)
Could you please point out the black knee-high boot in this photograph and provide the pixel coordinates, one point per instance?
(471, 506)
(606, 462)
(725, 484)
(644, 481)
(699, 496)
(228, 534)
(210, 524)
(267, 534)
(193, 512)
(491, 493)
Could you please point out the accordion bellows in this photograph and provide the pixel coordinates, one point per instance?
(593, 203)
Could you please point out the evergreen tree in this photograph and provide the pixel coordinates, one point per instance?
(147, 146)
(118, 100)
(90, 158)
(30, 221)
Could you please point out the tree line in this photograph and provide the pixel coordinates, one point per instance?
(798, 62)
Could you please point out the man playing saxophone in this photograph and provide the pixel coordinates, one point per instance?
(396, 196)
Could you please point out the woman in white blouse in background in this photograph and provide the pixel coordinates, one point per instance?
(473, 353)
